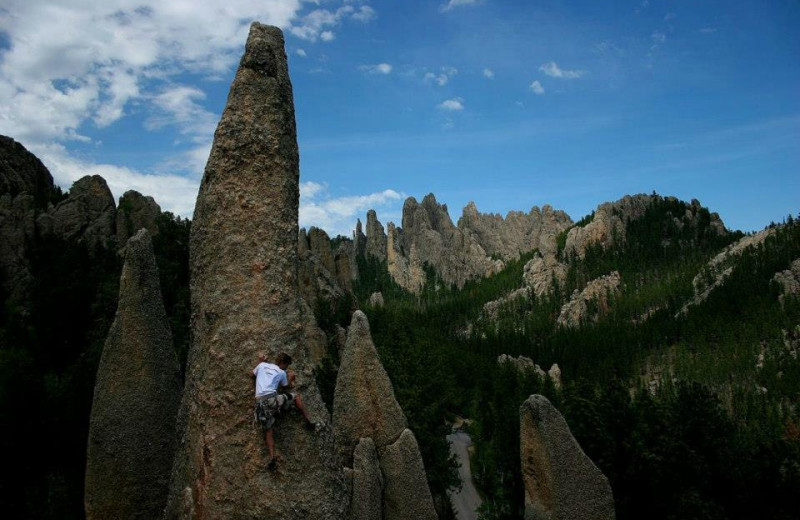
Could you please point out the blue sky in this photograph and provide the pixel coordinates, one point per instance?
(506, 103)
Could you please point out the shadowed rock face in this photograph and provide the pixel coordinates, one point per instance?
(88, 214)
(561, 482)
(405, 495)
(136, 397)
(364, 404)
(245, 300)
(367, 500)
(135, 212)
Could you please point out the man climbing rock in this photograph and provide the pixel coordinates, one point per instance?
(269, 378)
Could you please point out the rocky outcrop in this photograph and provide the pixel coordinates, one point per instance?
(320, 245)
(430, 238)
(26, 187)
(136, 398)
(87, 215)
(719, 268)
(561, 482)
(364, 407)
(789, 281)
(363, 403)
(376, 238)
(515, 234)
(477, 247)
(406, 495)
(523, 364)
(21, 172)
(135, 212)
(366, 502)
(344, 273)
(606, 226)
(376, 299)
(243, 261)
(491, 310)
(405, 270)
(543, 273)
(590, 303)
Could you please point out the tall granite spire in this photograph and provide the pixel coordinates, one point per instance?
(245, 300)
(136, 397)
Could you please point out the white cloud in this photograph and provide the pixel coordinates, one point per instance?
(537, 88)
(364, 14)
(172, 192)
(452, 105)
(441, 78)
(488, 73)
(104, 53)
(318, 24)
(301, 53)
(553, 70)
(452, 4)
(337, 215)
(380, 68)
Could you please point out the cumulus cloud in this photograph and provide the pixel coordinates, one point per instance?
(380, 68)
(337, 215)
(301, 53)
(452, 4)
(70, 67)
(173, 193)
(452, 105)
(109, 53)
(318, 24)
(488, 73)
(554, 71)
(537, 88)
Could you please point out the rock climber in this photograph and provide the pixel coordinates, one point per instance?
(269, 378)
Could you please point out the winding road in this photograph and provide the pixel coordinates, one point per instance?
(466, 501)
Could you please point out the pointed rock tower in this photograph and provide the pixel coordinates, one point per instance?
(245, 300)
(365, 409)
(136, 398)
(561, 482)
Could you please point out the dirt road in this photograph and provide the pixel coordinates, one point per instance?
(466, 501)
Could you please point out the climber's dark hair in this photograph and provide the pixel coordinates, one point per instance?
(283, 358)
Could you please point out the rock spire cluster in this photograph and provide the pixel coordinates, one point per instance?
(367, 418)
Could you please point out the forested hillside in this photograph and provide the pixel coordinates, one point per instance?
(691, 412)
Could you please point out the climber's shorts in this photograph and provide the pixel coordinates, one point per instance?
(269, 406)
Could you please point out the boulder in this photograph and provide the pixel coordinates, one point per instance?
(366, 502)
(245, 300)
(136, 397)
(561, 482)
(406, 495)
(363, 403)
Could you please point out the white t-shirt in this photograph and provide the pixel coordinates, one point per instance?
(268, 378)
